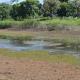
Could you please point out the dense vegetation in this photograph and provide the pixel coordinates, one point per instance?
(32, 14)
(34, 9)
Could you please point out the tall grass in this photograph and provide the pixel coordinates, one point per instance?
(63, 21)
(30, 23)
(19, 38)
(41, 23)
(72, 43)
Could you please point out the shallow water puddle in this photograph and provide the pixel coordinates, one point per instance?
(28, 45)
(35, 45)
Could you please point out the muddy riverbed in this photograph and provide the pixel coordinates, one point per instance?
(49, 46)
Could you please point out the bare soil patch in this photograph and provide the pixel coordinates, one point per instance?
(23, 69)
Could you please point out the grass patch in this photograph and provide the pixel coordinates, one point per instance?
(13, 35)
(40, 56)
(63, 21)
(72, 43)
(20, 38)
(42, 23)
(26, 24)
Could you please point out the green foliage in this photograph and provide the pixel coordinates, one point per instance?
(33, 9)
(76, 7)
(25, 9)
(63, 10)
(50, 7)
(4, 25)
(4, 11)
(29, 24)
(64, 0)
(56, 23)
(18, 12)
(26, 24)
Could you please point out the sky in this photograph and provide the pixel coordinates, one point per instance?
(41, 1)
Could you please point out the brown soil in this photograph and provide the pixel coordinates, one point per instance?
(45, 33)
(23, 69)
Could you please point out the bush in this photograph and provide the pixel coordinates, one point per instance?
(4, 25)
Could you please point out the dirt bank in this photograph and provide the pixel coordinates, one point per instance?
(23, 69)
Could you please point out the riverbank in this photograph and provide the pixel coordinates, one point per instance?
(39, 65)
(42, 24)
(25, 69)
(65, 38)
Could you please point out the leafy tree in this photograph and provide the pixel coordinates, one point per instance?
(71, 9)
(4, 11)
(63, 10)
(32, 7)
(18, 11)
(7, 9)
(50, 7)
(40, 6)
(76, 5)
(25, 9)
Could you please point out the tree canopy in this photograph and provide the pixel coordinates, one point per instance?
(34, 9)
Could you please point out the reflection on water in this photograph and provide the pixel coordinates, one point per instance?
(35, 45)
(28, 45)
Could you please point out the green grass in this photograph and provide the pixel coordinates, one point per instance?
(33, 23)
(40, 56)
(28, 23)
(63, 21)
(16, 35)
(20, 38)
(68, 41)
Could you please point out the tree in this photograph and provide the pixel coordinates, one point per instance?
(76, 6)
(50, 7)
(4, 11)
(63, 10)
(28, 8)
(40, 6)
(18, 12)
(7, 8)
(32, 7)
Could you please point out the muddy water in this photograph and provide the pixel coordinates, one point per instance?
(36, 45)
(27, 45)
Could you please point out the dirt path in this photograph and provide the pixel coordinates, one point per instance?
(22, 69)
